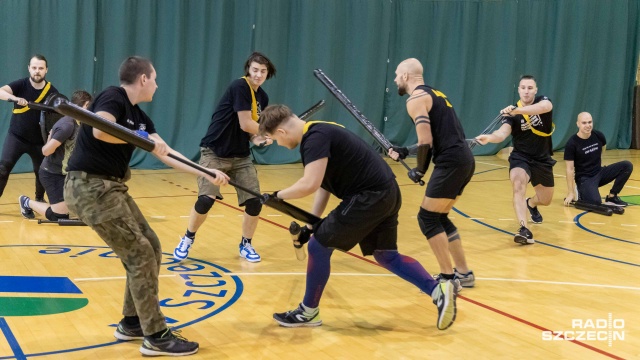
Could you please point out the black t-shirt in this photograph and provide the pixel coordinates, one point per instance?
(26, 125)
(102, 158)
(449, 145)
(65, 131)
(586, 154)
(224, 136)
(525, 141)
(353, 166)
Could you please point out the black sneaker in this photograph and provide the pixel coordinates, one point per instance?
(524, 236)
(536, 217)
(171, 343)
(128, 332)
(614, 201)
(25, 210)
(298, 318)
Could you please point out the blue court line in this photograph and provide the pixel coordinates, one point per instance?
(577, 221)
(38, 284)
(547, 244)
(13, 343)
(236, 296)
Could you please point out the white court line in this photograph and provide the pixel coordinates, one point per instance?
(483, 279)
(274, 215)
(6, 221)
(480, 162)
(158, 217)
(114, 278)
(566, 221)
(592, 223)
(628, 224)
(506, 219)
(632, 187)
(474, 218)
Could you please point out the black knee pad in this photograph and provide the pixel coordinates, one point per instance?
(253, 207)
(203, 204)
(52, 216)
(449, 228)
(429, 222)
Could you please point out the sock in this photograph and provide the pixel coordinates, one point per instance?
(132, 320)
(447, 276)
(308, 311)
(190, 235)
(406, 268)
(159, 334)
(318, 271)
(245, 241)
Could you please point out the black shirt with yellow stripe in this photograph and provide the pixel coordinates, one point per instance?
(24, 120)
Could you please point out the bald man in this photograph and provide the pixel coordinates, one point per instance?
(440, 136)
(583, 159)
(530, 123)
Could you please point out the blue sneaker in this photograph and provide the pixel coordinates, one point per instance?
(249, 253)
(182, 250)
(25, 210)
(444, 297)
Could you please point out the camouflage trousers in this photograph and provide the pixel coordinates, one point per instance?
(106, 206)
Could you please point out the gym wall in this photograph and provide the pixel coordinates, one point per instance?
(583, 53)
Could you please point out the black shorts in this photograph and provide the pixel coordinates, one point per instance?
(448, 182)
(540, 172)
(53, 185)
(369, 218)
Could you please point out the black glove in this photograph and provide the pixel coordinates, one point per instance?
(415, 175)
(269, 198)
(305, 235)
(402, 151)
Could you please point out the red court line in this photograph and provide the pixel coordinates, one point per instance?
(487, 307)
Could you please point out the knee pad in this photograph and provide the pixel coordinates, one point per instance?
(253, 207)
(385, 257)
(429, 222)
(203, 204)
(52, 216)
(449, 228)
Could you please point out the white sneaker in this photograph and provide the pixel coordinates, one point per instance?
(249, 253)
(182, 250)
(444, 298)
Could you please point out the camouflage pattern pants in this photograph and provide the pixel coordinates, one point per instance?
(106, 206)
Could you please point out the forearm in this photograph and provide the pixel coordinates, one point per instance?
(320, 202)
(570, 181)
(534, 109)
(298, 190)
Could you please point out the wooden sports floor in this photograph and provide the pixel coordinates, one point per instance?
(572, 295)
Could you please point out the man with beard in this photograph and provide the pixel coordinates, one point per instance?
(24, 136)
(440, 136)
(530, 123)
(234, 124)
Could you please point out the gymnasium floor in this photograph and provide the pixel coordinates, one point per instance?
(580, 279)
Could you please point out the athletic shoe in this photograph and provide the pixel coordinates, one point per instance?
(25, 210)
(298, 318)
(456, 281)
(467, 280)
(171, 343)
(614, 201)
(445, 299)
(536, 217)
(128, 332)
(524, 236)
(249, 253)
(182, 250)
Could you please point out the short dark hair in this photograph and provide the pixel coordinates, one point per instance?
(528, 77)
(260, 58)
(272, 117)
(133, 67)
(40, 57)
(79, 97)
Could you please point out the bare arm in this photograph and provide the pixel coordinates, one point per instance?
(50, 147)
(6, 94)
(541, 107)
(308, 183)
(418, 107)
(103, 136)
(319, 203)
(220, 178)
(496, 136)
(570, 182)
(249, 126)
